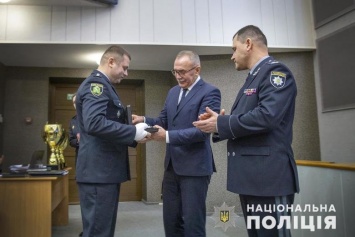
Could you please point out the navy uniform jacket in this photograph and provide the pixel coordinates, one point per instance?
(104, 136)
(259, 133)
(189, 149)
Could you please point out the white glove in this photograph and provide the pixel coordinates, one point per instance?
(140, 132)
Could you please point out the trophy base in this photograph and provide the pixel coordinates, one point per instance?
(54, 167)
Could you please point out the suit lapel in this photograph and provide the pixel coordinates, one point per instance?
(189, 96)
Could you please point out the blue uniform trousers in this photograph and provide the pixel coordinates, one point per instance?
(99, 203)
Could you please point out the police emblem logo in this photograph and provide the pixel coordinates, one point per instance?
(96, 89)
(224, 216)
(278, 79)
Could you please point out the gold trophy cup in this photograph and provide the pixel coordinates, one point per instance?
(62, 144)
(57, 139)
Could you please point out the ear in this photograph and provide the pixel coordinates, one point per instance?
(248, 44)
(198, 70)
(111, 61)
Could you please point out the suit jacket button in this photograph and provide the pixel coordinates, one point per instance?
(228, 153)
(233, 153)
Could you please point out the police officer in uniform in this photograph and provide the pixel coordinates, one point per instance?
(261, 166)
(74, 134)
(102, 163)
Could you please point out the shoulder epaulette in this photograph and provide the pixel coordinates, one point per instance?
(273, 62)
(97, 74)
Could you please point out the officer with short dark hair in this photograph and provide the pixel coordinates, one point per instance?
(103, 163)
(261, 166)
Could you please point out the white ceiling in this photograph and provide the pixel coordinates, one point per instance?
(144, 57)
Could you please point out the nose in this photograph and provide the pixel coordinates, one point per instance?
(177, 76)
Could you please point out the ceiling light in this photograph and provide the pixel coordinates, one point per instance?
(94, 57)
(4, 1)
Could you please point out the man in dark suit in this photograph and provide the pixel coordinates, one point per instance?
(189, 160)
(102, 163)
(261, 166)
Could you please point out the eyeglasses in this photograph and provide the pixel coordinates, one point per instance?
(182, 72)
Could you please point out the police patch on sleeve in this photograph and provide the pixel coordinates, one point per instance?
(278, 79)
(96, 89)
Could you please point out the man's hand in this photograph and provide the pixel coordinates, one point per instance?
(208, 121)
(137, 119)
(160, 135)
(145, 139)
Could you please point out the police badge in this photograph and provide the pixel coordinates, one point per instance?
(278, 79)
(96, 89)
(224, 216)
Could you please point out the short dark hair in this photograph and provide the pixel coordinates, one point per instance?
(250, 31)
(115, 51)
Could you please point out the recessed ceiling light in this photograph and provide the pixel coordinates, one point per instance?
(4, 1)
(94, 57)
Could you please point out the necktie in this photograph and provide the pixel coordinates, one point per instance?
(183, 96)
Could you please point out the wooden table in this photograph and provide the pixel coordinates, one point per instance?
(29, 206)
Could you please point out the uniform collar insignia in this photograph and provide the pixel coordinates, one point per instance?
(254, 74)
